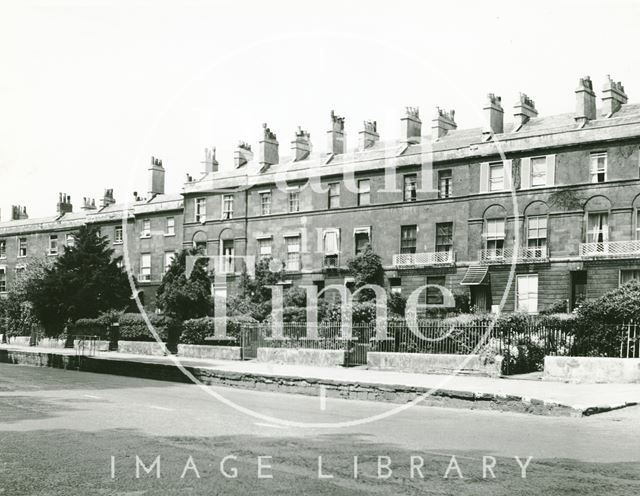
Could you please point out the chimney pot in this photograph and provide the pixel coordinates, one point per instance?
(107, 199)
(336, 137)
(411, 125)
(268, 146)
(613, 97)
(156, 177)
(585, 101)
(494, 115)
(18, 212)
(524, 109)
(369, 136)
(210, 162)
(301, 145)
(443, 122)
(243, 155)
(64, 204)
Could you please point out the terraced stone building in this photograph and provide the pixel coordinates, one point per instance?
(525, 213)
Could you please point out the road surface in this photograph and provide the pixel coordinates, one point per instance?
(67, 433)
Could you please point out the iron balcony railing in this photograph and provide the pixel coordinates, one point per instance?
(331, 262)
(611, 249)
(424, 259)
(506, 255)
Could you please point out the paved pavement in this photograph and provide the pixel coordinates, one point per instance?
(60, 428)
(576, 396)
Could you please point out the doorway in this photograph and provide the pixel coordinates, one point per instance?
(578, 288)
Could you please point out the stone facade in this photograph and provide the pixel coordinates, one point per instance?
(556, 197)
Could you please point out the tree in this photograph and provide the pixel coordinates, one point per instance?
(185, 298)
(366, 268)
(254, 295)
(16, 311)
(83, 282)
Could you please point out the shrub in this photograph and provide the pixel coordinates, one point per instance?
(89, 327)
(559, 306)
(597, 333)
(195, 331)
(134, 328)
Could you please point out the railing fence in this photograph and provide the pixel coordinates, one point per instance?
(429, 336)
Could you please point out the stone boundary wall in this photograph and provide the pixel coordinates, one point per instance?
(296, 385)
(302, 356)
(210, 352)
(425, 363)
(152, 348)
(592, 369)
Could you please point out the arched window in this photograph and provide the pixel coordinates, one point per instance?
(493, 232)
(200, 241)
(596, 212)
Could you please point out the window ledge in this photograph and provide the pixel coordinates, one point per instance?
(170, 235)
(145, 236)
(118, 242)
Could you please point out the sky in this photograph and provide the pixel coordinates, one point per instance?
(90, 90)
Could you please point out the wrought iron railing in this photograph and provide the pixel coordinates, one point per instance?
(611, 249)
(506, 255)
(331, 262)
(424, 259)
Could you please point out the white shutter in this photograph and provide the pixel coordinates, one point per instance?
(551, 170)
(484, 177)
(525, 173)
(507, 174)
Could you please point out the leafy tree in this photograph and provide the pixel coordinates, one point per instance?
(16, 311)
(83, 282)
(182, 297)
(254, 295)
(366, 268)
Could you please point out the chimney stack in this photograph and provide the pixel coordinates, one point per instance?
(268, 146)
(494, 115)
(368, 136)
(210, 162)
(156, 177)
(524, 109)
(301, 145)
(613, 97)
(336, 137)
(585, 101)
(64, 204)
(443, 122)
(243, 155)
(107, 199)
(411, 125)
(18, 212)
(88, 204)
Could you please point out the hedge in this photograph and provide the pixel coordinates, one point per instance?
(132, 327)
(195, 331)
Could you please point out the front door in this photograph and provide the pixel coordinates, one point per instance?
(578, 288)
(481, 297)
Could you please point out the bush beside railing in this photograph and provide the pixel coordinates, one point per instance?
(202, 330)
